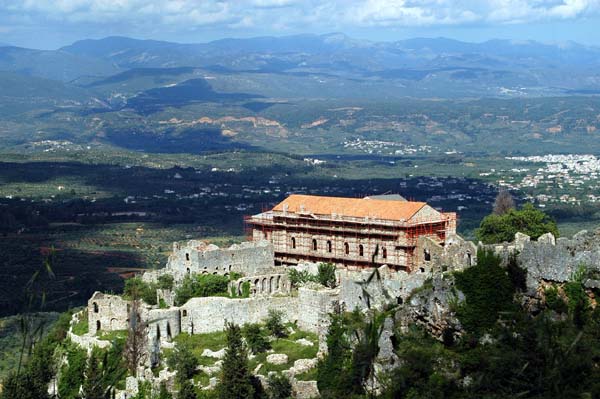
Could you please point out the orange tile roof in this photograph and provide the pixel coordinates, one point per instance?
(352, 207)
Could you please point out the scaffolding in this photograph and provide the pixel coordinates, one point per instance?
(327, 238)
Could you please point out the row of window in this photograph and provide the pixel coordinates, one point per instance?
(329, 247)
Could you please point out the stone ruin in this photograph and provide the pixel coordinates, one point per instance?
(552, 260)
(270, 288)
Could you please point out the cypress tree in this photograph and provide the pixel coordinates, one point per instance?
(92, 386)
(187, 391)
(236, 380)
(164, 393)
(332, 370)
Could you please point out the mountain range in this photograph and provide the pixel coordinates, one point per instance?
(418, 67)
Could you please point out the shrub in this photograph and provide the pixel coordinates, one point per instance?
(554, 301)
(274, 323)
(202, 285)
(255, 338)
(162, 304)
(300, 277)
(578, 301)
(488, 292)
(279, 387)
(326, 275)
(518, 275)
(165, 282)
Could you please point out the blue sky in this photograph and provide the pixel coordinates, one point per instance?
(53, 23)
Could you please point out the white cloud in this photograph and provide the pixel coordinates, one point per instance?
(279, 15)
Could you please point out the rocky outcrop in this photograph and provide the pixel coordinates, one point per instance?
(555, 260)
(431, 307)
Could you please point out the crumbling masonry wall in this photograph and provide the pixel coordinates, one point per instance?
(107, 313)
(555, 260)
(205, 315)
(269, 284)
(248, 258)
(456, 254)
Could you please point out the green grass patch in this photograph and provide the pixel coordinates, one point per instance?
(202, 378)
(120, 336)
(310, 375)
(81, 327)
(287, 346)
(199, 342)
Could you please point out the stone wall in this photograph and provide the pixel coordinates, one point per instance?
(556, 260)
(163, 324)
(107, 313)
(269, 284)
(314, 308)
(248, 258)
(456, 254)
(205, 315)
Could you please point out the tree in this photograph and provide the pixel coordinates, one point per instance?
(274, 323)
(187, 391)
(279, 387)
(136, 338)
(183, 361)
(236, 380)
(332, 378)
(255, 338)
(504, 203)
(528, 220)
(163, 392)
(92, 385)
(136, 288)
(165, 281)
(488, 293)
(72, 374)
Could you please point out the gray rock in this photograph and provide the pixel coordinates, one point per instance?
(277, 358)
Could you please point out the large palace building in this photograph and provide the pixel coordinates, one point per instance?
(351, 232)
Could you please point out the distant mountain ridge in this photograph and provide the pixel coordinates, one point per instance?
(412, 67)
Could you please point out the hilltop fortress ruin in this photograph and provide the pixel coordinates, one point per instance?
(404, 243)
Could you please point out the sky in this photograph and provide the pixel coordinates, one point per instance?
(49, 24)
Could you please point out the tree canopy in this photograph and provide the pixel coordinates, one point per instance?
(527, 220)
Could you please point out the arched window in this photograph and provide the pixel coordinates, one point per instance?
(294, 242)
(184, 313)
(329, 246)
(95, 307)
(188, 270)
(187, 256)
(361, 250)
(157, 331)
(168, 330)
(384, 253)
(346, 248)
(314, 244)
(426, 255)
(98, 325)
